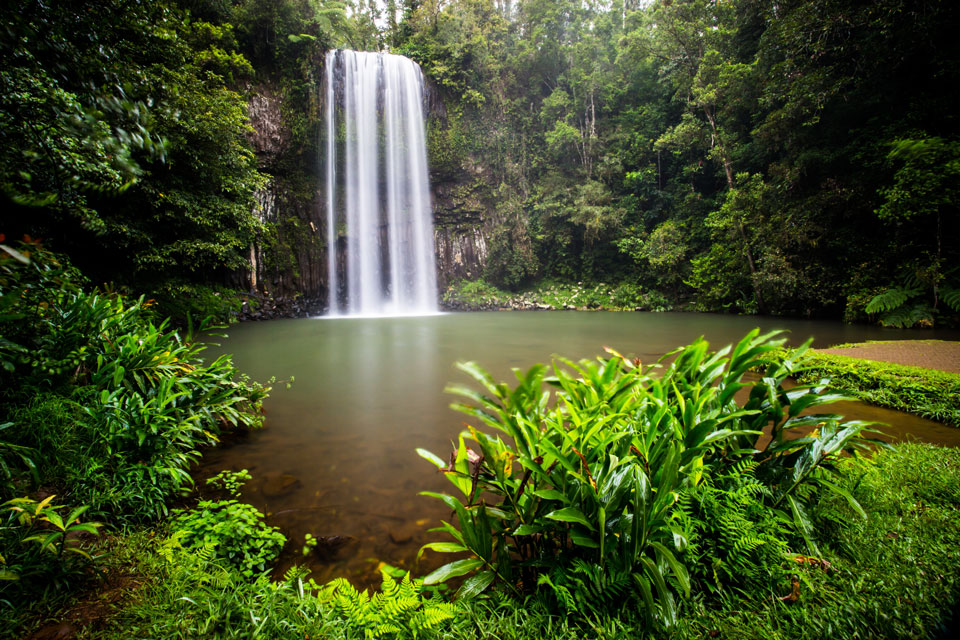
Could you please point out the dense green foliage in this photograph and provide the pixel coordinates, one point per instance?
(398, 609)
(929, 393)
(100, 404)
(123, 142)
(230, 530)
(37, 559)
(126, 139)
(893, 575)
(479, 295)
(625, 481)
(786, 157)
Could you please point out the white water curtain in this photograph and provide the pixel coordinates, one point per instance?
(377, 187)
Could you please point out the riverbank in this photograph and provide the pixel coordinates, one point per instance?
(943, 355)
(921, 377)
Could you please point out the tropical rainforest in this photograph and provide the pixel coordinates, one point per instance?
(793, 158)
(159, 173)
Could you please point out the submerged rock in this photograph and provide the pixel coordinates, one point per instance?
(279, 484)
(328, 546)
(403, 534)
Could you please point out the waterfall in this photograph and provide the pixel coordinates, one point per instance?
(380, 247)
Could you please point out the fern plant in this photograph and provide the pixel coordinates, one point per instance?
(734, 536)
(586, 588)
(909, 303)
(397, 607)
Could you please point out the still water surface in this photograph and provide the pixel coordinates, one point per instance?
(337, 457)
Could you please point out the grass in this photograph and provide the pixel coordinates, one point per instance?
(894, 575)
(927, 393)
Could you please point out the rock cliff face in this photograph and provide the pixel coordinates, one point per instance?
(287, 272)
(287, 275)
(462, 202)
(460, 206)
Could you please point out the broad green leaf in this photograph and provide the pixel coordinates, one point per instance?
(584, 541)
(475, 585)
(550, 494)
(452, 570)
(426, 455)
(442, 547)
(571, 514)
(527, 529)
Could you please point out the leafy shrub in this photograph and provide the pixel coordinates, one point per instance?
(230, 481)
(597, 474)
(115, 404)
(474, 294)
(616, 297)
(914, 301)
(480, 295)
(38, 556)
(235, 532)
(185, 302)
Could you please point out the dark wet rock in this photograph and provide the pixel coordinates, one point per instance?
(328, 546)
(276, 485)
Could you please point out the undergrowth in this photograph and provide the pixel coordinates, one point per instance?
(625, 296)
(894, 575)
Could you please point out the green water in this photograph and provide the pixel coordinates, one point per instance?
(337, 455)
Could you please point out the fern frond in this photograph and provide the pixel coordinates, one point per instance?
(171, 545)
(951, 298)
(434, 615)
(747, 544)
(891, 299)
(906, 317)
(294, 573)
(560, 592)
(397, 608)
(208, 552)
(745, 467)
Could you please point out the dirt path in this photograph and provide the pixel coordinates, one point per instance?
(930, 354)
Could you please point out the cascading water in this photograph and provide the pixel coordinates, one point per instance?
(381, 258)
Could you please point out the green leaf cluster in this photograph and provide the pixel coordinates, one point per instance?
(599, 469)
(41, 552)
(105, 402)
(232, 531)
